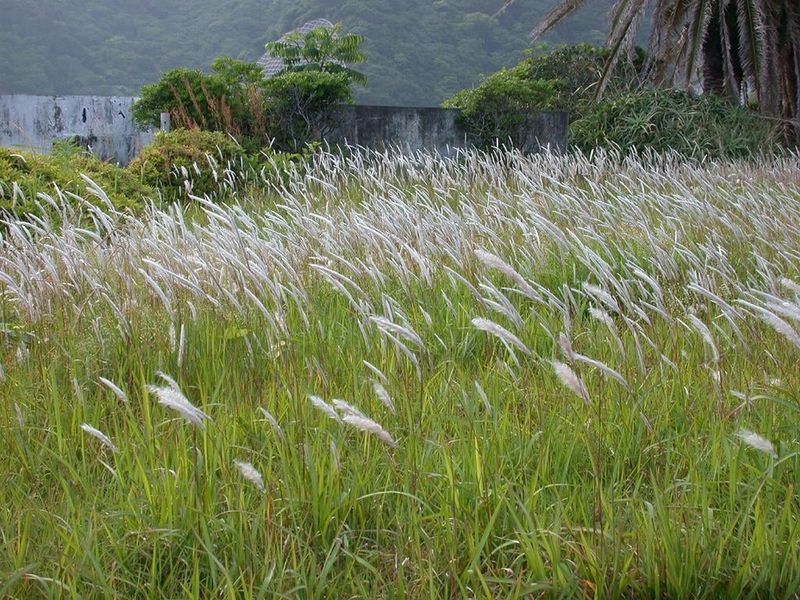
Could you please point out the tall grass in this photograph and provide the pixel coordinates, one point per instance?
(406, 376)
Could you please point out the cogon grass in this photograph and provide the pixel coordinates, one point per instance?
(452, 469)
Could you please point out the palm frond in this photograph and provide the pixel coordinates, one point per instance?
(624, 24)
(555, 16)
(730, 81)
(698, 27)
(751, 42)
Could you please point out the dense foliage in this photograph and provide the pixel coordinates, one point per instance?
(26, 177)
(672, 120)
(747, 51)
(287, 111)
(495, 112)
(228, 99)
(421, 52)
(188, 161)
(200, 163)
(628, 116)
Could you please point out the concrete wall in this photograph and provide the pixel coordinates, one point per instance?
(103, 123)
(433, 129)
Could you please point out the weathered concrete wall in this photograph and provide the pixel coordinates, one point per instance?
(433, 129)
(103, 123)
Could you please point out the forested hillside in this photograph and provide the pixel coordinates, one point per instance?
(420, 51)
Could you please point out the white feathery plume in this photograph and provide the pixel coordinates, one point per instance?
(789, 310)
(370, 426)
(781, 326)
(602, 295)
(173, 398)
(791, 285)
(603, 368)
(181, 346)
(104, 439)
(500, 332)
(387, 326)
(347, 409)
(754, 440)
(250, 473)
(495, 262)
(484, 397)
(383, 395)
(602, 316)
(320, 404)
(114, 388)
(335, 456)
(571, 380)
(705, 333)
(378, 373)
(273, 422)
(170, 381)
(566, 347)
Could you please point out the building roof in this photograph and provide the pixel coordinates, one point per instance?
(272, 65)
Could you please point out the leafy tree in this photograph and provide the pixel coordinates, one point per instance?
(301, 99)
(495, 111)
(301, 105)
(748, 50)
(229, 100)
(323, 49)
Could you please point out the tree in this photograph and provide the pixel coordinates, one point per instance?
(300, 105)
(302, 98)
(747, 50)
(229, 99)
(323, 49)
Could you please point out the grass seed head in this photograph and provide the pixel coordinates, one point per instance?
(571, 381)
(250, 473)
(370, 426)
(173, 398)
(754, 440)
(104, 439)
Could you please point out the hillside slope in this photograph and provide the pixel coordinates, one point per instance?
(419, 51)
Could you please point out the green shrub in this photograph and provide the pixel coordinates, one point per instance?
(23, 175)
(199, 157)
(301, 105)
(204, 163)
(229, 100)
(661, 120)
(300, 101)
(495, 111)
(578, 69)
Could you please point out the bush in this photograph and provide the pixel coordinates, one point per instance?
(578, 69)
(228, 100)
(301, 105)
(23, 175)
(199, 157)
(663, 120)
(204, 163)
(495, 111)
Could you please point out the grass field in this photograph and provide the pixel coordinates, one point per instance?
(397, 377)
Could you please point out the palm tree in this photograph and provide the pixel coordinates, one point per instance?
(747, 50)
